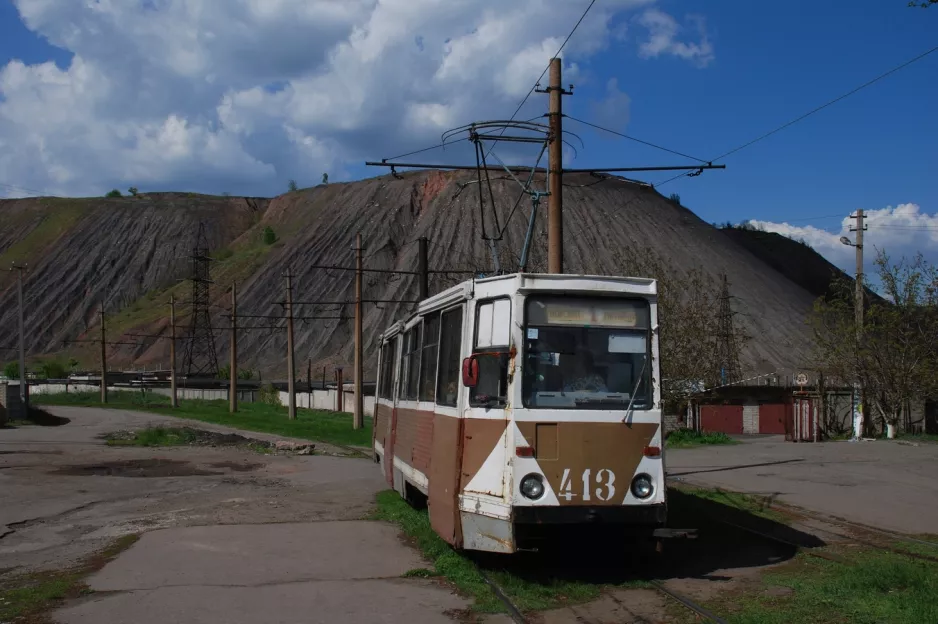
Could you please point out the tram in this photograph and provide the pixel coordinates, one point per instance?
(525, 402)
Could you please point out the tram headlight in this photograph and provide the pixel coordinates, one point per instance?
(642, 486)
(532, 486)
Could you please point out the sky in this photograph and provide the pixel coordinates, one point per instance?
(242, 96)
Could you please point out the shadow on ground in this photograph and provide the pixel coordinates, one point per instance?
(599, 555)
(39, 417)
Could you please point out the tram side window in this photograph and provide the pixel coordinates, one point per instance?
(447, 386)
(413, 375)
(428, 359)
(405, 365)
(387, 370)
(493, 325)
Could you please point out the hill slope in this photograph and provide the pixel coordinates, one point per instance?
(129, 253)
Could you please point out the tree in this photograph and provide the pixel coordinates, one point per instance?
(325, 178)
(133, 191)
(12, 370)
(292, 185)
(675, 198)
(114, 193)
(269, 236)
(894, 358)
(688, 306)
(51, 369)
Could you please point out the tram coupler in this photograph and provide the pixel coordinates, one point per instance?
(665, 533)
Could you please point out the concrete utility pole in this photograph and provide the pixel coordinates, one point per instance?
(103, 358)
(173, 400)
(291, 369)
(555, 93)
(858, 311)
(24, 394)
(233, 355)
(358, 414)
(423, 270)
(340, 391)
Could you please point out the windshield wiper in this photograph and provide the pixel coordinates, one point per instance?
(628, 410)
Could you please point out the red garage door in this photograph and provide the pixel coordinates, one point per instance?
(725, 418)
(772, 418)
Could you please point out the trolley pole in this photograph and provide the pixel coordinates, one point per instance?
(172, 352)
(423, 271)
(103, 358)
(233, 355)
(358, 414)
(291, 372)
(24, 394)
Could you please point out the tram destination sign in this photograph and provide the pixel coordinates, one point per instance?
(619, 314)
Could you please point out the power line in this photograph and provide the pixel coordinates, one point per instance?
(559, 50)
(631, 138)
(823, 106)
(28, 190)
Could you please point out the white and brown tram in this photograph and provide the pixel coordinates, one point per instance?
(526, 401)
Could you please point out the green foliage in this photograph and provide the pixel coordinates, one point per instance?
(269, 395)
(325, 178)
(245, 374)
(12, 370)
(684, 438)
(114, 193)
(73, 364)
(51, 369)
(675, 198)
(133, 191)
(292, 185)
(269, 236)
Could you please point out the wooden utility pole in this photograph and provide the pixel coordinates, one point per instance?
(858, 311)
(555, 93)
(103, 358)
(174, 401)
(309, 381)
(291, 369)
(24, 394)
(358, 413)
(233, 355)
(423, 271)
(340, 391)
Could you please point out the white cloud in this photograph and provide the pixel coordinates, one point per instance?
(613, 110)
(898, 231)
(242, 95)
(663, 32)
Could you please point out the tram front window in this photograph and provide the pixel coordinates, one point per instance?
(586, 354)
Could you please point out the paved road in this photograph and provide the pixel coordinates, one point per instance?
(883, 483)
(228, 535)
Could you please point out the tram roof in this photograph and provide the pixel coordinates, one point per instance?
(531, 283)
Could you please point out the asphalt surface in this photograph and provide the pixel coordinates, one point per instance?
(886, 484)
(228, 535)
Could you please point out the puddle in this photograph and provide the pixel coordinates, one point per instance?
(237, 467)
(135, 468)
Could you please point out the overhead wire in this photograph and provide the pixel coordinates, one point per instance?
(637, 140)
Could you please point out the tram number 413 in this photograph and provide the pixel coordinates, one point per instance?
(602, 485)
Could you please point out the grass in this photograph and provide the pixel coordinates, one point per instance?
(156, 436)
(874, 587)
(463, 573)
(755, 505)
(323, 426)
(59, 217)
(688, 438)
(28, 597)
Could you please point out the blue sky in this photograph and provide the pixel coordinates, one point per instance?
(244, 95)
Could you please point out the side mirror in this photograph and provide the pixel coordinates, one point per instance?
(470, 372)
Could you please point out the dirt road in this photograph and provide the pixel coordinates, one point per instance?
(228, 535)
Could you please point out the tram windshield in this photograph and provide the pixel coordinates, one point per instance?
(587, 353)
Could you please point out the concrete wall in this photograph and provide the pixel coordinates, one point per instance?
(321, 399)
(751, 418)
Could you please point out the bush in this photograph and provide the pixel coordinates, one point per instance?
(51, 369)
(675, 198)
(114, 193)
(245, 374)
(12, 370)
(690, 437)
(292, 185)
(269, 236)
(269, 395)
